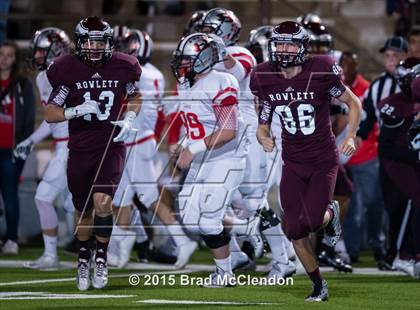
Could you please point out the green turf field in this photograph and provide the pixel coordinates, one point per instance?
(31, 289)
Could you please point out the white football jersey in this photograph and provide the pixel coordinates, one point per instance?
(198, 115)
(58, 130)
(246, 99)
(151, 86)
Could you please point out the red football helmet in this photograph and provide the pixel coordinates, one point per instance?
(94, 40)
(288, 33)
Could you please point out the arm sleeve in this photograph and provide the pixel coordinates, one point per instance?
(226, 116)
(243, 66)
(388, 149)
(266, 114)
(368, 118)
(336, 87)
(59, 91)
(134, 73)
(43, 131)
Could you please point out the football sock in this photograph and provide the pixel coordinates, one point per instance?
(178, 234)
(141, 235)
(224, 264)
(316, 277)
(50, 244)
(84, 251)
(277, 245)
(233, 245)
(101, 249)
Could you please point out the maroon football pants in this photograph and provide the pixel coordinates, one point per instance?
(305, 192)
(90, 172)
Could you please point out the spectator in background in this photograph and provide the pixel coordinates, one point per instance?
(414, 43)
(394, 50)
(17, 117)
(364, 170)
(4, 9)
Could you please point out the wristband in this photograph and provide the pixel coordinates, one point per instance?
(197, 147)
(70, 113)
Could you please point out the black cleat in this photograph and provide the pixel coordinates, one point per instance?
(334, 261)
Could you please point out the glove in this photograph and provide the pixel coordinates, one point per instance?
(87, 107)
(221, 47)
(126, 126)
(23, 149)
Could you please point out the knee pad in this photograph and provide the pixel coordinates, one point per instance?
(46, 192)
(103, 226)
(268, 219)
(47, 214)
(217, 241)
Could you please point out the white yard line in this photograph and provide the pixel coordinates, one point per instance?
(44, 295)
(202, 302)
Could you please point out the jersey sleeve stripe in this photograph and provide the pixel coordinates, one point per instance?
(224, 91)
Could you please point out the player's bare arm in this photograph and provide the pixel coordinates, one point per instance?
(264, 137)
(355, 108)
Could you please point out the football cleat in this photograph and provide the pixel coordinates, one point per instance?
(126, 245)
(100, 274)
(10, 248)
(334, 261)
(82, 278)
(219, 279)
(319, 293)
(333, 228)
(241, 262)
(184, 254)
(406, 266)
(45, 262)
(280, 270)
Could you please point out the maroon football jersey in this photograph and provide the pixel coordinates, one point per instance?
(109, 84)
(399, 110)
(303, 105)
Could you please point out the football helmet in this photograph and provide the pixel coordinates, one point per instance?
(224, 23)
(321, 41)
(194, 22)
(47, 44)
(94, 40)
(309, 18)
(405, 73)
(139, 44)
(258, 42)
(119, 33)
(195, 54)
(288, 32)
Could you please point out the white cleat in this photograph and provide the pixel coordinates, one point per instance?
(220, 279)
(100, 274)
(10, 248)
(281, 271)
(126, 245)
(45, 262)
(82, 278)
(406, 266)
(184, 254)
(241, 262)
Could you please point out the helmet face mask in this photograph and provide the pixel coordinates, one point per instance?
(94, 41)
(48, 44)
(288, 45)
(138, 44)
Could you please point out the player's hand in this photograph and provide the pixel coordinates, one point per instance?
(87, 107)
(126, 126)
(348, 146)
(185, 158)
(221, 47)
(23, 149)
(267, 143)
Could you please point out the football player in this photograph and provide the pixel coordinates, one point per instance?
(48, 44)
(239, 62)
(139, 177)
(402, 160)
(289, 89)
(89, 89)
(213, 149)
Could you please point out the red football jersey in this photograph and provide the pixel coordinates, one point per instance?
(73, 82)
(303, 105)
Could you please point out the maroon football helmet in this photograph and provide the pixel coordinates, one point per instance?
(288, 33)
(321, 41)
(94, 40)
